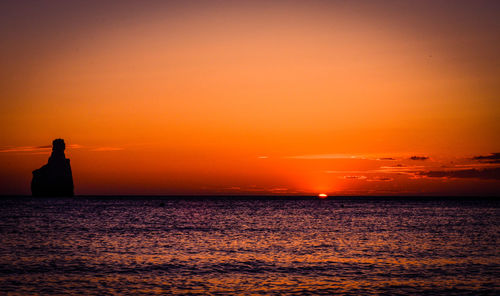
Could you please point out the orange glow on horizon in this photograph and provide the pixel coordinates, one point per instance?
(252, 97)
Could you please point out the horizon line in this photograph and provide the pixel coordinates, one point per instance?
(245, 195)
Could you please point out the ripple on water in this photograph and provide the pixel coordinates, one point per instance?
(370, 246)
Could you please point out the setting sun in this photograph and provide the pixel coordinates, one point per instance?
(169, 147)
(251, 98)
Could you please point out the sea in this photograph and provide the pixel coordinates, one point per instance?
(230, 245)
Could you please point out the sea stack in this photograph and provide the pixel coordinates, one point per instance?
(54, 178)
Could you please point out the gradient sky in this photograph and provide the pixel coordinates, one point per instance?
(253, 97)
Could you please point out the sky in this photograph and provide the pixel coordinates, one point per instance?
(253, 97)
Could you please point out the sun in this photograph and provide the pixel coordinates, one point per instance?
(322, 195)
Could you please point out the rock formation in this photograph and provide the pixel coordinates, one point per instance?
(54, 178)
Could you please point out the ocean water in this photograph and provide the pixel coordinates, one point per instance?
(268, 246)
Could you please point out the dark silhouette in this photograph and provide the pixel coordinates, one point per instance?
(54, 178)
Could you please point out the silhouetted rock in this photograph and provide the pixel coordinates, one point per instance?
(54, 178)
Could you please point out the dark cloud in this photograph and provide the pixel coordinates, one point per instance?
(492, 158)
(419, 157)
(386, 158)
(485, 174)
(380, 179)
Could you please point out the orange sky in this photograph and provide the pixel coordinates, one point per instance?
(253, 97)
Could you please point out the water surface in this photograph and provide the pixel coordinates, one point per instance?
(224, 246)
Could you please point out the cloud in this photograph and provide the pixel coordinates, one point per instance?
(278, 189)
(33, 149)
(355, 177)
(419, 157)
(370, 179)
(327, 156)
(24, 149)
(485, 174)
(47, 148)
(358, 156)
(73, 146)
(380, 179)
(400, 169)
(492, 158)
(106, 149)
(397, 169)
(233, 188)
